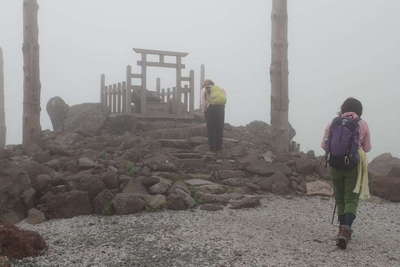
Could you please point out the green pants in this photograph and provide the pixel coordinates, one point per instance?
(344, 182)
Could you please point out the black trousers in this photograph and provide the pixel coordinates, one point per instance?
(215, 117)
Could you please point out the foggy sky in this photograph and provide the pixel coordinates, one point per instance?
(336, 49)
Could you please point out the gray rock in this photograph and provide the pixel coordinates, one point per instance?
(86, 163)
(157, 202)
(91, 184)
(135, 186)
(161, 187)
(86, 118)
(57, 110)
(383, 164)
(110, 179)
(128, 203)
(387, 188)
(29, 198)
(179, 199)
(319, 188)
(197, 182)
(211, 207)
(245, 203)
(35, 217)
(41, 183)
(211, 188)
(103, 203)
(277, 184)
(66, 205)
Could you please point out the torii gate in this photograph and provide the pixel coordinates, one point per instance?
(140, 95)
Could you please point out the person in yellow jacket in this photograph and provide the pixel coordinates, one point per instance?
(213, 105)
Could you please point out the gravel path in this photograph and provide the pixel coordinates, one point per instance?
(282, 232)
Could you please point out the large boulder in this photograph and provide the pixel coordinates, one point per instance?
(103, 203)
(13, 184)
(127, 203)
(18, 244)
(277, 183)
(57, 110)
(387, 187)
(383, 164)
(86, 118)
(66, 205)
(319, 188)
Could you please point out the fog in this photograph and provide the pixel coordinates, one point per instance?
(336, 49)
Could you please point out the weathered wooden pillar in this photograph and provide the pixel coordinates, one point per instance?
(144, 85)
(128, 89)
(3, 129)
(32, 86)
(124, 100)
(178, 94)
(279, 75)
(102, 89)
(158, 86)
(202, 79)
(191, 98)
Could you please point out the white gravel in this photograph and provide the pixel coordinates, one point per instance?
(283, 232)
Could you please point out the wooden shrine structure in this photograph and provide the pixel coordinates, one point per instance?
(134, 96)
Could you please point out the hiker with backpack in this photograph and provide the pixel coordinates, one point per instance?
(346, 141)
(213, 105)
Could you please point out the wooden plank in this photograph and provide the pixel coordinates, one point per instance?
(136, 76)
(160, 52)
(160, 65)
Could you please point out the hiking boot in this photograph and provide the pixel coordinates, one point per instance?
(343, 237)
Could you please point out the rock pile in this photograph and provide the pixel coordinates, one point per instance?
(123, 165)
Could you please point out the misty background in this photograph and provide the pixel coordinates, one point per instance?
(336, 49)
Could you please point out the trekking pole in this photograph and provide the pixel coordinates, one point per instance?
(333, 215)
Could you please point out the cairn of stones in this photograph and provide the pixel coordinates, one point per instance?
(279, 75)
(3, 129)
(32, 86)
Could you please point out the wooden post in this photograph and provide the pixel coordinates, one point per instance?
(114, 98)
(279, 75)
(128, 89)
(191, 95)
(168, 94)
(3, 129)
(102, 85)
(124, 100)
(158, 86)
(178, 94)
(202, 79)
(163, 96)
(119, 98)
(185, 97)
(110, 98)
(30, 49)
(144, 85)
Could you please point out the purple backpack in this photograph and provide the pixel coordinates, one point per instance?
(343, 143)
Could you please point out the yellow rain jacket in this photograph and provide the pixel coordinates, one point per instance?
(217, 96)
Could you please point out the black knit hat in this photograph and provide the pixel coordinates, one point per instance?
(352, 105)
